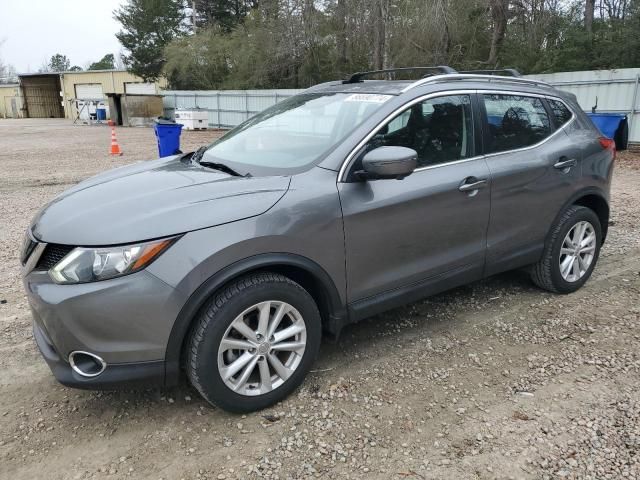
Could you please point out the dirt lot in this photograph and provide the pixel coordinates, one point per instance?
(494, 380)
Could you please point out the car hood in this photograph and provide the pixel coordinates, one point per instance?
(153, 199)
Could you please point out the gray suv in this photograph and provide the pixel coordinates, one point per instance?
(349, 199)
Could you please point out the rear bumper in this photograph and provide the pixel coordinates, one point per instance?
(115, 376)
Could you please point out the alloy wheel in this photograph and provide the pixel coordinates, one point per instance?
(262, 348)
(577, 251)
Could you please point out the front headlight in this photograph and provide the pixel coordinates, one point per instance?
(83, 265)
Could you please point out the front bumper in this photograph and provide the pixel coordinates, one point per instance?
(125, 321)
(114, 377)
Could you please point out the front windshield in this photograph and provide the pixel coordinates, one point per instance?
(293, 134)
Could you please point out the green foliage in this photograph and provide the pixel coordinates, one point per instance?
(59, 63)
(199, 62)
(297, 43)
(561, 43)
(148, 26)
(75, 68)
(105, 63)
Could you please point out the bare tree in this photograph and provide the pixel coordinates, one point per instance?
(7, 72)
(380, 20)
(341, 36)
(119, 60)
(589, 9)
(499, 11)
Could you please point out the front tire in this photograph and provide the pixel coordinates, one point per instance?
(571, 251)
(254, 342)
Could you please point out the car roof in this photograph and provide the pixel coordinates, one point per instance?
(440, 82)
(388, 87)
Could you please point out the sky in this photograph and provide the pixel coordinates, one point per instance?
(34, 30)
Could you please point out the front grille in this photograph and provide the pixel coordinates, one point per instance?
(28, 246)
(52, 254)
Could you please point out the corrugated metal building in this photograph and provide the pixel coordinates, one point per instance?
(616, 91)
(77, 95)
(82, 91)
(95, 84)
(10, 101)
(41, 95)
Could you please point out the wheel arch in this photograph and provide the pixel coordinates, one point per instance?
(592, 198)
(596, 202)
(311, 276)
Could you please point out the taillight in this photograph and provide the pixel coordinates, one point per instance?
(608, 144)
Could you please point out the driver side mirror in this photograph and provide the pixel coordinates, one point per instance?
(388, 163)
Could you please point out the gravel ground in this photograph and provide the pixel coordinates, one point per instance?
(493, 380)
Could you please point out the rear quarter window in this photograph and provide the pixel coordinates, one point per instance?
(561, 113)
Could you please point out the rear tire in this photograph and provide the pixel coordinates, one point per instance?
(254, 342)
(571, 251)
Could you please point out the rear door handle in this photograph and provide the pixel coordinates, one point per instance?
(565, 163)
(470, 184)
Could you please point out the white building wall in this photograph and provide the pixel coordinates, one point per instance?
(617, 91)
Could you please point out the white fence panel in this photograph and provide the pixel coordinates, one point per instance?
(617, 91)
(227, 108)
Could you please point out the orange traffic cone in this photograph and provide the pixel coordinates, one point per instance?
(115, 148)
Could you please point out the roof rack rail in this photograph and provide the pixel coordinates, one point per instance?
(359, 76)
(509, 72)
(475, 77)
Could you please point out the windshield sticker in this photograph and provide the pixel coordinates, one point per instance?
(368, 97)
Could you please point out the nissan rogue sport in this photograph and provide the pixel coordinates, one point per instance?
(351, 198)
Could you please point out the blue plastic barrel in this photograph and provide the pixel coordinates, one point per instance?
(614, 126)
(101, 113)
(168, 136)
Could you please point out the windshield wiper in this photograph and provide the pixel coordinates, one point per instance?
(197, 155)
(197, 158)
(222, 167)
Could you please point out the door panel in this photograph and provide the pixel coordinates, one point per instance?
(528, 190)
(400, 232)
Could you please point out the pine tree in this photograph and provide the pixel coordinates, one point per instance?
(59, 63)
(105, 63)
(148, 26)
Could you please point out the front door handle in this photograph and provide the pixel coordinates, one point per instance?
(565, 163)
(472, 184)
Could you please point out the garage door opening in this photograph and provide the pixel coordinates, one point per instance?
(41, 96)
(89, 97)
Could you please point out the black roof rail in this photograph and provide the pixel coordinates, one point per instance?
(509, 72)
(359, 76)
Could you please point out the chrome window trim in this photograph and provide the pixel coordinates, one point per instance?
(558, 99)
(446, 164)
(545, 139)
(362, 143)
(349, 158)
(535, 145)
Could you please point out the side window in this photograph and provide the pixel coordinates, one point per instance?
(439, 129)
(515, 121)
(398, 123)
(560, 112)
